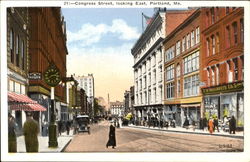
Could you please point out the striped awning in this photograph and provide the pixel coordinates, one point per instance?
(21, 102)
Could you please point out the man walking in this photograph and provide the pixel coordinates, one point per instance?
(30, 131)
(232, 125)
(11, 134)
(216, 124)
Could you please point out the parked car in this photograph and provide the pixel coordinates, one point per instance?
(83, 123)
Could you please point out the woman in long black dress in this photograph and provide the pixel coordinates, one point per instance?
(111, 141)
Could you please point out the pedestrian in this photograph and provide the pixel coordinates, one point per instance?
(60, 127)
(112, 140)
(30, 131)
(186, 123)
(201, 124)
(68, 126)
(167, 125)
(11, 134)
(205, 123)
(216, 124)
(211, 125)
(232, 125)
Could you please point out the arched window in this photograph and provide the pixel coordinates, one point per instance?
(12, 46)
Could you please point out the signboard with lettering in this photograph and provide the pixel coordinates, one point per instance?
(232, 87)
(35, 76)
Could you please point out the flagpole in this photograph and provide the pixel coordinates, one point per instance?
(142, 26)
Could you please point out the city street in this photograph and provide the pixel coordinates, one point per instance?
(142, 140)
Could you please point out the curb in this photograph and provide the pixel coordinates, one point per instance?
(63, 148)
(201, 133)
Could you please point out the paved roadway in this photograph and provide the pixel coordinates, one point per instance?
(142, 140)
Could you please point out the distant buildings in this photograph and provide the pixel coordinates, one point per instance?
(87, 83)
(117, 109)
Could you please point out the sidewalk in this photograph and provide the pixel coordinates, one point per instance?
(62, 140)
(191, 131)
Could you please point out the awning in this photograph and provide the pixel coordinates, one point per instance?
(190, 105)
(21, 102)
(20, 98)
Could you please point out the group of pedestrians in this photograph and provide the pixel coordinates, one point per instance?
(30, 132)
(213, 124)
(62, 125)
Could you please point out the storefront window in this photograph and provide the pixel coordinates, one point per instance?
(212, 106)
(228, 105)
(240, 109)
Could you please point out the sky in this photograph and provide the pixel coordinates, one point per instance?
(99, 41)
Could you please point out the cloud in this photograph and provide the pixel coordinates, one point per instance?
(89, 33)
(111, 66)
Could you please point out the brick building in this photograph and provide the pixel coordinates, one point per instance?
(47, 46)
(182, 97)
(222, 62)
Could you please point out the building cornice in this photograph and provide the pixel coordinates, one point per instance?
(147, 33)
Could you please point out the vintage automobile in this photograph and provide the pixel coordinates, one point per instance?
(83, 123)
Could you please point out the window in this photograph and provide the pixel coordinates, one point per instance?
(192, 39)
(229, 72)
(178, 70)
(228, 37)
(191, 63)
(241, 31)
(149, 96)
(149, 78)
(191, 85)
(23, 54)
(235, 32)
(183, 44)
(227, 10)
(178, 48)
(154, 76)
(217, 75)
(208, 47)
(217, 42)
(170, 53)
(212, 15)
(213, 44)
(170, 72)
(178, 88)
(213, 76)
(217, 14)
(208, 77)
(17, 50)
(188, 41)
(236, 72)
(197, 31)
(170, 90)
(11, 46)
(207, 19)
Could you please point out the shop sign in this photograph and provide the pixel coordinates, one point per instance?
(224, 88)
(34, 76)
